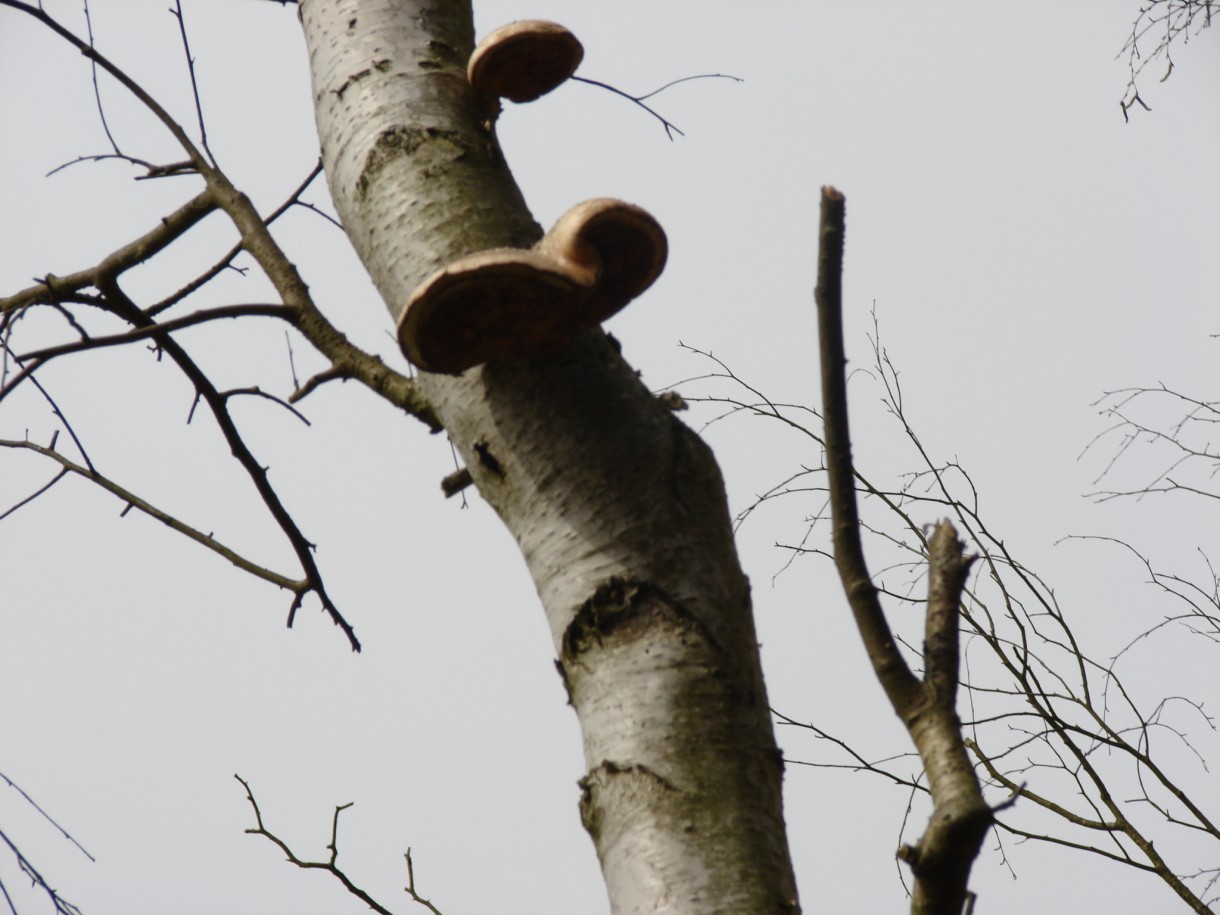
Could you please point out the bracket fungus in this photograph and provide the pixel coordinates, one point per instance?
(524, 60)
(508, 302)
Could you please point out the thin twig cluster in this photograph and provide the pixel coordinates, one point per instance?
(101, 290)
(1047, 723)
(1164, 23)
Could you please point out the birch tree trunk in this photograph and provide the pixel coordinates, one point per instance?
(618, 508)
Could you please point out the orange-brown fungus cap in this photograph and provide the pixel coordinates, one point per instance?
(524, 60)
(510, 302)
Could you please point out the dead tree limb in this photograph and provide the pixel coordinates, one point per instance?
(942, 858)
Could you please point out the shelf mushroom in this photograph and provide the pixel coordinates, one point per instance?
(524, 60)
(508, 302)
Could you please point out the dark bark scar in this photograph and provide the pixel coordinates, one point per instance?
(626, 608)
(487, 459)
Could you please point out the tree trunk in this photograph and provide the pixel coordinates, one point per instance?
(618, 508)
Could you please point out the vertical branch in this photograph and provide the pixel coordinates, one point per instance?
(942, 858)
(900, 685)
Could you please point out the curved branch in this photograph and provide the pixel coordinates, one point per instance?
(900, 685)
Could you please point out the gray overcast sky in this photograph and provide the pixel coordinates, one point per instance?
(1024, 250)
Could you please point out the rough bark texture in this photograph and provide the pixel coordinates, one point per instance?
(618, 508)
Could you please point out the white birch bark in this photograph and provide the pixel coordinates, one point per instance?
(619, 510)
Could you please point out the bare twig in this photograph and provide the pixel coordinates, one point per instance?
(97, 91)
(410, 887)
(258, 392)
(670, 128)
(46, 354)
(176, 12)
(217, 403)
(226, 262)
(331, 865)
(46, 816)
(62, 906)
(1051, 711)
(34, 495)
(64, 421)
(298, 308)
(859, 763)
(37, 12)
(297, 586)
(1169, 21)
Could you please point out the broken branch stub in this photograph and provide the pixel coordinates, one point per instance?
(512, 302)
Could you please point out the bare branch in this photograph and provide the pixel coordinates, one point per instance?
(226, 262)
(97, 91)
(38, 492)
(1170, 22)
(217, 403)
(900, 685)
(64, 420)
(258, 392)
(331, 865)
(455, 482)
(316, 381)
(46, 354)
(85, 47)
(400, 390)
(296, 586)
(62, 906)
(942, 858)
(169, 229)
(1059, 711)
(859, 764)
(46, 816)
(410, 887)
(948, 567)
(176, 12)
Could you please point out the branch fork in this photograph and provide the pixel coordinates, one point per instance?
(942, 858)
